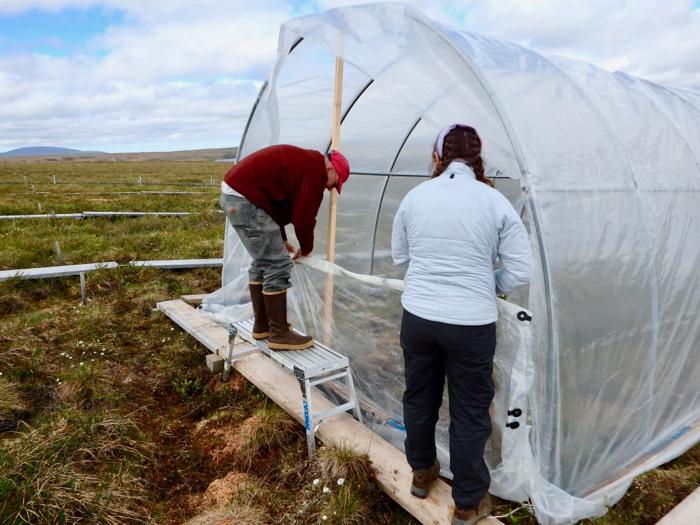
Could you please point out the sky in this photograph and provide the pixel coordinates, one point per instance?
(161, 75)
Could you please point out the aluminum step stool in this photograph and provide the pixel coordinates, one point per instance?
(312, 366)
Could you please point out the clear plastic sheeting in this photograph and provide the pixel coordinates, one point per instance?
(364, 325)
(605, 170)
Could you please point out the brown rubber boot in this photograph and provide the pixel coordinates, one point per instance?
(423, 478)
(472, 516)
(281, 337)
(261, 328)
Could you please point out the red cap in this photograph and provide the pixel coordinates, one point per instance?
(341, 167)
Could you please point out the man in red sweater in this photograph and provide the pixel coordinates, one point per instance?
(260, 195)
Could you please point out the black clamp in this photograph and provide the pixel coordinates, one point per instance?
(522, 316)
(516, 412)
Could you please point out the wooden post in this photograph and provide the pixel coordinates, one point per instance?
(330, 247)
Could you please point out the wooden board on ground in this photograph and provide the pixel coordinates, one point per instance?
(685, 513)
(194, 299)
(392, 471)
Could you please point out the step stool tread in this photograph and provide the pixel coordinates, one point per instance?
(318, 358)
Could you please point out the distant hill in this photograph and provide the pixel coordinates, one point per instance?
(194, 154)
(43, 151)
(47, 154)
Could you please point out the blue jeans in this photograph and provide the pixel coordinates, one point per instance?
(262, 238)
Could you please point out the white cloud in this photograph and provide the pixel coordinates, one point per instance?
(655, 39)
(171, 75)
(181, 73)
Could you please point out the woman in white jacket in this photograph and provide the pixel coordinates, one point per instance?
(449, 231)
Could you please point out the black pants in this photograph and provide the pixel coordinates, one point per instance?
(465, 354)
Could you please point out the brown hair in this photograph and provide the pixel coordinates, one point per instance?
(462, 143)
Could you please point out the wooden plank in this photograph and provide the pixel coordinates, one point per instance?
(687, 512)
(198, 326)
(54, 271)
(194, 299)
(392, 471)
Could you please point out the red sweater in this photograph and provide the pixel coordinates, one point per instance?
(287, 182)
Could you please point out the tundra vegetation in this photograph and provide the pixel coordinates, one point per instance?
(107, 412)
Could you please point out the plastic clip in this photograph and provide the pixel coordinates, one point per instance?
(513, 425)
(516, 412)
(522, 316)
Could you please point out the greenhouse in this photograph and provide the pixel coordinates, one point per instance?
(605, 171)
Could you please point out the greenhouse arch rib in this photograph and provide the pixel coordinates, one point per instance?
(381, 197)
(350, 106)
(403, 143)
(553, 338)
(257, 103)
(250, 120)
(666, 116)
(680, 95)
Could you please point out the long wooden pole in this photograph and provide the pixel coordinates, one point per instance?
(330, 246)
(335, 144)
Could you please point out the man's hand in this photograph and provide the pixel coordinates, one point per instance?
(297, 254)
(290, 247)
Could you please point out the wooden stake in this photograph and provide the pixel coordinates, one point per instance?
(330, 247)
(335, 144)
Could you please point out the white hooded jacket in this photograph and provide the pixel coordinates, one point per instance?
(448, 232)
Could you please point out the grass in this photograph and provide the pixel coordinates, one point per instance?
(75, 466)
(232, 514)
(10, 400)
(107, 412)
